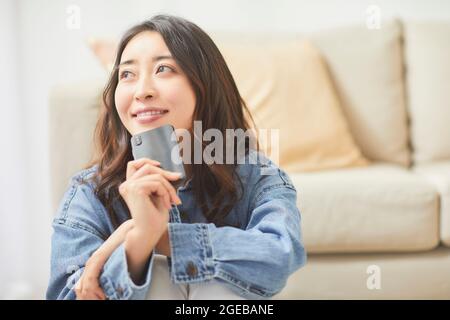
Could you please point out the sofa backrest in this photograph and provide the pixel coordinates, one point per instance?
(367, 67)
(427, 52)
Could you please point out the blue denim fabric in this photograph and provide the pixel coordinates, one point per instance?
(254, 257)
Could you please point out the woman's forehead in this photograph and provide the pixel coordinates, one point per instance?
(145, 45)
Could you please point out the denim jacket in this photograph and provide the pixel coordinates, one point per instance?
(254, 259)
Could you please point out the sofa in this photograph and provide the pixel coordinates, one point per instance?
(374, 231)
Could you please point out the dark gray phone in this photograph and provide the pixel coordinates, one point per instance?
(159, 144)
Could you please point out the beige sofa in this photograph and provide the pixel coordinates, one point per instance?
(375, 232)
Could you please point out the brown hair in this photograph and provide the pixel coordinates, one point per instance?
(218, 105)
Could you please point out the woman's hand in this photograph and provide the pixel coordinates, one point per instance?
(87, 287)
(148, 195)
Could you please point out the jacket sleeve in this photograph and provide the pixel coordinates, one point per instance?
(254, 262)
(77, 233)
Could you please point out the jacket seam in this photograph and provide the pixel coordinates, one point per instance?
(245, 286)
(72, 193)
(272, 187)
(78, 225)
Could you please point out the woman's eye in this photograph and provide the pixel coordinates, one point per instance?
(163, 68)
(125, 74)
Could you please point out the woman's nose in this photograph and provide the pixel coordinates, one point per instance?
(145, 89)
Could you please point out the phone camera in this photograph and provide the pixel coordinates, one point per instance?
(138, 140)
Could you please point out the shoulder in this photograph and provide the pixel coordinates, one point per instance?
(260, 174)
(81, 188)
(80, 207)
(85, 176)
(258, 167)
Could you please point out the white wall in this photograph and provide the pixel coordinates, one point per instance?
(13, 235)
(39, 51)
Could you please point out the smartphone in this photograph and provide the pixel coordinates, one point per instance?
(159, 144)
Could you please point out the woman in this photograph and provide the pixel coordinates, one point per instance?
(229, 232)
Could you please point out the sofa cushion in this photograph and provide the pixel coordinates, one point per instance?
(438, 174)
(409, 275)
(367, 67)
(427, 50)
(286, 86)
(382, 208)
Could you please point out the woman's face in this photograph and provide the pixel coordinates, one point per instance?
(152, 89)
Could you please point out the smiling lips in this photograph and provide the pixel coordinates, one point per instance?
(149, 115)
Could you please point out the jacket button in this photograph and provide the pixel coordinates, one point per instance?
(191, 269)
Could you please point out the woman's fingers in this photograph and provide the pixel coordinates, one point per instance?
(170, 189)
(158, 202)
(100, 294)
(155, 187)
(148, 168)
(133, 166)
(88, 296)
(92, 289)
(82, 293)
(87, 288)
(139, 187)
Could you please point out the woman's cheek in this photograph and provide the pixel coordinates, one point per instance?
(181, 98)
(123, 100)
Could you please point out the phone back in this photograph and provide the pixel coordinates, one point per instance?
(159, 144)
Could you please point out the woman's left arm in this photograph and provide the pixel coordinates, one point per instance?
(88, 287)
(256, 261)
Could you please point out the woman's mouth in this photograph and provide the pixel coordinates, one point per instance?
(149, 116)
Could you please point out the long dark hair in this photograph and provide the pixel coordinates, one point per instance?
(218, 105)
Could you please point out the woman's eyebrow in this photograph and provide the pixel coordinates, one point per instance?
(157, 58)
(127, 62)
(154, 59)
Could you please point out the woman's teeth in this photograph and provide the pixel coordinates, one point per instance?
(150, 113)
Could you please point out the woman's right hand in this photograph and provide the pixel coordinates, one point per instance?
(148, 195)
(148, 192)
